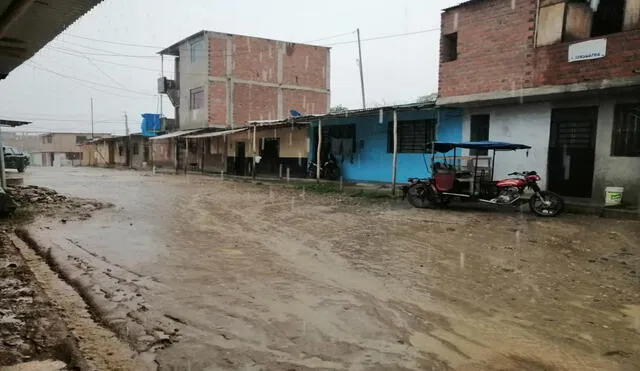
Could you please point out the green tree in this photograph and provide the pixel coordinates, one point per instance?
(428, 98)
(338, 108)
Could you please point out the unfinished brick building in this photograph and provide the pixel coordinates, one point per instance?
(560, 75)
(225, 80)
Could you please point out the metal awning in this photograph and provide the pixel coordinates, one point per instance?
(27, 25)
(175, 134)
(216, 133)
(13, 123)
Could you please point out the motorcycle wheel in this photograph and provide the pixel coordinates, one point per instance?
(539, 207)
(419, 197)
(311, 173)
(333, 173)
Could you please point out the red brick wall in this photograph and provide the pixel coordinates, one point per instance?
(218, 103)
(217, 57)
(254, 59)
(623, 56)
(255, 63)
(304, 101)
(495, 47)
(496, 52)
(253, 102)
(305, 65)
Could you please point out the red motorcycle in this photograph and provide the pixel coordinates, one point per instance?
(450, 184)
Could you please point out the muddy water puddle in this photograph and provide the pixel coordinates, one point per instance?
(257, 277)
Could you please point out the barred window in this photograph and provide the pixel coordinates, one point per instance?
(414, 136)
(626, 131)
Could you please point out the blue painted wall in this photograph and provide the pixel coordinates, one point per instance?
(373, 163)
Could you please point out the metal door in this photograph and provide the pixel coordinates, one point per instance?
(270, 153)
(572, 145)
(240, 164)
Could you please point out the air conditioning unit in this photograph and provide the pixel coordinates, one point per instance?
(162, 85)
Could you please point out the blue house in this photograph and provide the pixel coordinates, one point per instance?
(362, 140)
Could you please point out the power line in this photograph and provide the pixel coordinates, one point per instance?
(99, 49)
(163, 47)
(116, 42)
(86, 81)
(330, 37)
(91, 87)
(34, 119)
(387, 36)
(79, 55)
(109, 54)
(106, 52)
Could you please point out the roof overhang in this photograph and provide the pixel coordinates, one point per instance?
(216, 133)
(176, 134)
(27, 25)
(460, 4)
(12, 123)
(627, 85)
(174, 49)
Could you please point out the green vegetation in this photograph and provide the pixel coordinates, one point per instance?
(321, 188)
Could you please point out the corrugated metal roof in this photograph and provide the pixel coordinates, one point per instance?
(216, 133)
(40, 23)
(461, 3)
(175, 48)
(175, 134)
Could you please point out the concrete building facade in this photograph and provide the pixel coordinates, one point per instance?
(225, 81)
(133, 151)
(561, 76)
(59, 149)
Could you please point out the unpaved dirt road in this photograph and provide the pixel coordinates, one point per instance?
(210, 275)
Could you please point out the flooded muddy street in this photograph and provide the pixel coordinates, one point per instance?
(199, 274)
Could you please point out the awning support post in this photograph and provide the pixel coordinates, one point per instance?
(318, 161)
(395, 152)
(186, 155)
(253, 168)
(3, 174)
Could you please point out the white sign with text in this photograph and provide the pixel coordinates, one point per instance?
(592, 49)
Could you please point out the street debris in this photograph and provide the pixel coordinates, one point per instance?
(30, 327)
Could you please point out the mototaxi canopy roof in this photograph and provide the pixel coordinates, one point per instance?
(444, 147)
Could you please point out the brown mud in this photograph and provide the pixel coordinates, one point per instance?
(202, 274)
(40, 314)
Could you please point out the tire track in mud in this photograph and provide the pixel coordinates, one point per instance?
(98, 346)
(112, 300)
(327, 261)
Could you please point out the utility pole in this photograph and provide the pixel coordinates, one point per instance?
(161, 75)
(364, 105)
(92, 119)
(3, 174)
(126, 124)
(129, 144)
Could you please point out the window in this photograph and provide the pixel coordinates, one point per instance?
(449, 46)
(574, 20)
(81, 139)
(120, 150)
(196, 50)
(413, 136)
(608, 17)
(136, 148)
(479, 132)
(74, 155)
(196, 100)
(626, 131)
(47, 139)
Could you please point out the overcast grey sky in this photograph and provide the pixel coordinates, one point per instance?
(54, 88)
